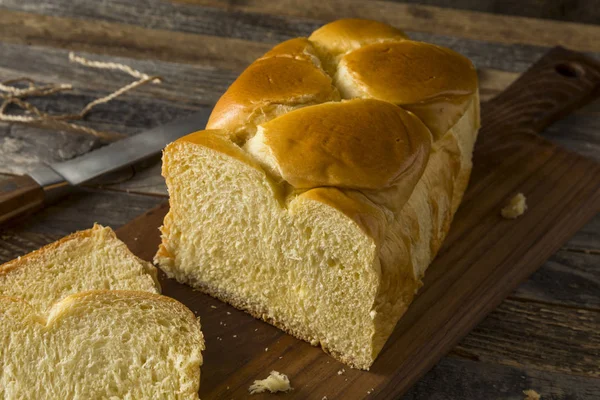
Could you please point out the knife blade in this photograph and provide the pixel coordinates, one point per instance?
(23, 194)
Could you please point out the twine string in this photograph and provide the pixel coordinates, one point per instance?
(12, 94)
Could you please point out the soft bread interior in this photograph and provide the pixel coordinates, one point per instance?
(100, 345)
(302, 265)
(87, 260)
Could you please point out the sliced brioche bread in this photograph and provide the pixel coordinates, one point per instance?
(93, 259)
(100, 345)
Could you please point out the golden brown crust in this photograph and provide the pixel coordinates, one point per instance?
(344, 35)
(360, 144)
(219, 140)
(298, 48)
(435, 83)
(266, 85)
(47, 249)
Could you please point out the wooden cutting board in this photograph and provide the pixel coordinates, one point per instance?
(482, 261)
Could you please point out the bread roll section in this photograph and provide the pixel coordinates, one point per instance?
(325, 184)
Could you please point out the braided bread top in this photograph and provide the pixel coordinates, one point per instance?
(356, 106)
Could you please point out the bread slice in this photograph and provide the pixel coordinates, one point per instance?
(100, 345)
(325, 183)
(88, 260)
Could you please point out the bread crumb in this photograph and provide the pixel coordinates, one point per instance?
(324, 398)
(219, 338)
(256, 330)
(280, 357)
(275, 382)
(266, 349)
(228, 313)
(531, 394)
(515, 207)
(341, 371)
(213, 306)
(234, 335)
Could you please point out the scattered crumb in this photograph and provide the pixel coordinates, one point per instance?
(341, 371)
(515, 207)
(234, 335)
(227, 387)
(280, 357)
(275, 382)
(228, 313)
(219, 338)
(266, 349)
(213, 306)
(220, 322)
(370, 391)
(531, 394)
(256, 330)
(135, 239)
(324, 398)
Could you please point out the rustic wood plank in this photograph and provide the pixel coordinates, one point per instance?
(542, 336)
(453, 379)
(190, 86)
(126, 40)
(560, 10)
(422, 18)
(120, 18)
(586, 240)
(568, 278)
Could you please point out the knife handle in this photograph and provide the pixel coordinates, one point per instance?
(19, 195)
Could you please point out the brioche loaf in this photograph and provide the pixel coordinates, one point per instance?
(325, 183)
(63, 338)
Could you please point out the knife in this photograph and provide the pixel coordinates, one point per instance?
(24, 194)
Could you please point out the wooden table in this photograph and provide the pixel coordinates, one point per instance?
(545, 336)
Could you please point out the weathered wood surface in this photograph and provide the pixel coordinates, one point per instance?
(561, 10)
(200, 50)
